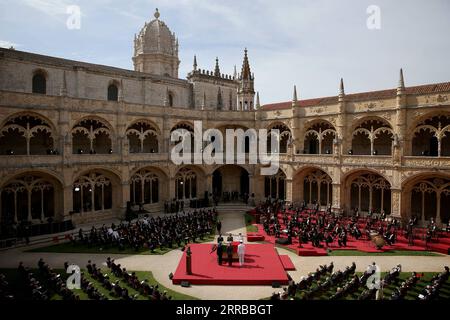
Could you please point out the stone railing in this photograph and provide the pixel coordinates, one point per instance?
(426, 162)
(24, 161)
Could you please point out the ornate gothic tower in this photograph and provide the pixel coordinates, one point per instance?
(156, 49)
(246, 92)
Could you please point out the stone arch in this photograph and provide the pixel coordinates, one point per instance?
(230, 181)
(92, 134)
(148, 185)
(187, 181)
(143, 136)
(372, 136)
(285, 135)
(431, 135)
(366, 190)
(312, 184)
(319, 137)
(275, 185)
(96, 190)
(31, 195)
(27, 133)
(426, 195)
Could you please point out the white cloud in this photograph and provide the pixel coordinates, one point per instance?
(8, 44)
(49, 7)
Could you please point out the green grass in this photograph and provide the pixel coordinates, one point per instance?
(68, 247)
(388, 290)
(249, 221)
(12, 278)
(387, 253)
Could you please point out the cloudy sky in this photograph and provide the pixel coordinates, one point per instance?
(310, 43)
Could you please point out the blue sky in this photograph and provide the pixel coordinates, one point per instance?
(308, 43)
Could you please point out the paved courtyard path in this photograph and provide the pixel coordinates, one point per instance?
(232, 222)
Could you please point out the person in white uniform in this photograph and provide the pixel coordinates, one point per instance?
(241, 252)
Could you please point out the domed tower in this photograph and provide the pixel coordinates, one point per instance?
(156, 49)
(246, 92)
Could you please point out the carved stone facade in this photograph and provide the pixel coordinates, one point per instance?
(98, 137)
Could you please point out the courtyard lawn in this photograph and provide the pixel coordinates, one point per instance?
(444, 292)
(387, 253)
(69, 247)
(12, 278)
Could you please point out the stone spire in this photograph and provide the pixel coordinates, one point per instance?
(245, 73)
(258, 104)
(246, 91)
(63, 91)
(195, 63)
(341, 91)
(401, 84)
(295, 97)
(235, 73)
(217, 69)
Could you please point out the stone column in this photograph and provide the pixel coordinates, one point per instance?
(336, 190)
(209, 181)
(171, 188)
(67, 200)
(438, 208)
(396, 196)
(125, 197)
(289, 193)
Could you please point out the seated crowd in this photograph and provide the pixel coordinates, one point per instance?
(45, 284)
(152, 233)
(340, 284)
(321, 228)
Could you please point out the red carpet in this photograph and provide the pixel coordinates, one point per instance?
(262, 266)
(287, 263)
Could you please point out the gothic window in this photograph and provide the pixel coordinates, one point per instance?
(39, 83)
(27, 198)
(431, 199)
(92, 192)
(372, 137)
(275, 186)
(170, 100)
(285, 138)
(26, 135)
(113, 92)
(319, 138)
(142, 138)
(317, 188)
(371, 192)
(187, 132)
(432, 137)
(91, 136)
(185, 184)
(144, 188)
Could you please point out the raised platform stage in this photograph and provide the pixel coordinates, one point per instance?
(362, 245)
(263, 266)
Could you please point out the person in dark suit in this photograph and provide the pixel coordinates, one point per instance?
(220, 239)
(219, 226)
(230, 254)
(219, 253)
(230, 238)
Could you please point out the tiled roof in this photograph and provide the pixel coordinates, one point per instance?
(372, 95)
